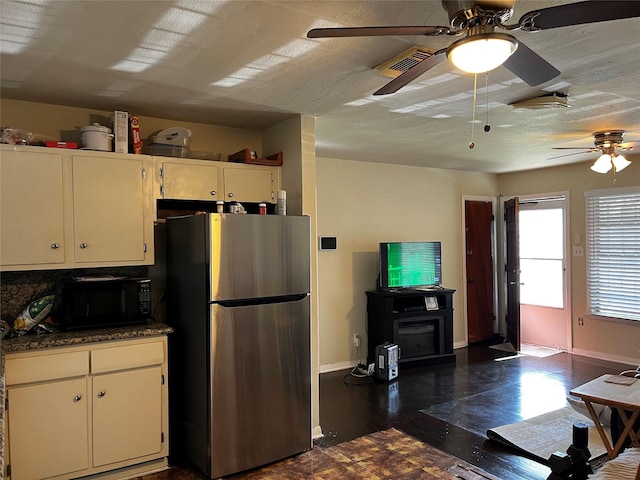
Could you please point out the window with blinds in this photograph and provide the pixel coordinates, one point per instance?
(613, 252)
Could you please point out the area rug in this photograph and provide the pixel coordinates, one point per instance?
(538, 350)
(389, 454)
(526, 349)
(541, 436)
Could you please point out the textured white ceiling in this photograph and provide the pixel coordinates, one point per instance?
(249, 64)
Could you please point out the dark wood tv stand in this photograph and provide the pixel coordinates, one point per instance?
(405, 317)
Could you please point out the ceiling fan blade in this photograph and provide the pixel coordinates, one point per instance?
(413, 73)
(586, 149)
(569, 154)
(375, 31)
(579, 13)
(530, 66)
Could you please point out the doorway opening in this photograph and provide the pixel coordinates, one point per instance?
(544, 311)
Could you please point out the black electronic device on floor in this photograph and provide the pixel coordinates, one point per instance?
(387, 356)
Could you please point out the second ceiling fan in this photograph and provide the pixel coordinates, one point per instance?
(482, 49)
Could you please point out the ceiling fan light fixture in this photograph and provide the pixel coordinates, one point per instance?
(619, 162)
(602, 164)
(481, 52)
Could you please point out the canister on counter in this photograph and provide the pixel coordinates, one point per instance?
(262, 208)
(219, 206)
(282, 202)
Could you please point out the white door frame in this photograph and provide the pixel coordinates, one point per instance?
(567, 258)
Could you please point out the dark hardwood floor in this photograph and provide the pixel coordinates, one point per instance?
(462, 401)
(450, 406)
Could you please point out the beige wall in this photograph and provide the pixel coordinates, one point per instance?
(363, 204)
(55, 122)
(598, 337)
(297, 137)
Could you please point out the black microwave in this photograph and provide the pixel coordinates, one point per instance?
(99, 302)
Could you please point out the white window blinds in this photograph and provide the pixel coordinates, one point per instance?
(613, 252)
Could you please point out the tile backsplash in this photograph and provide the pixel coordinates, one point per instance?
(18, 289)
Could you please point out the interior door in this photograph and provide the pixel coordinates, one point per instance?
(478, 217)
(511, 208)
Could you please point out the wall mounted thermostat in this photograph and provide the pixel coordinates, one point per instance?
(328, 243)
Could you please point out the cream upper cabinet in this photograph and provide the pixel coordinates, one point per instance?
(250, 184)
(66, 209)
(189, 181)
(108, 209)
(48, 426)
(92, 409)
(31, 208)
(204, 180)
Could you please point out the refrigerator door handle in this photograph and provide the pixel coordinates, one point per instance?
(261, 301)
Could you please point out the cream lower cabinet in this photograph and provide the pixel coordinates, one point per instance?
(66, 209)
(49, 429)
(127, 409)
(82, 411)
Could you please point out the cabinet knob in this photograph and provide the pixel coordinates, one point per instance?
(101, 394)
(77, 398)
(83, 245)
(213, 193)
(230, 194)
(55, 246)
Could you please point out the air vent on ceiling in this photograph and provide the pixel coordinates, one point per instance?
(399, 64)
(551, 100)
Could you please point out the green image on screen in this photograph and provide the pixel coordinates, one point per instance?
(413, 264)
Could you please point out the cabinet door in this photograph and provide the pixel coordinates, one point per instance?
(31, 208)
(48, 429)
(249, 184)
(189, 182)
(127, 415)
(108, 207)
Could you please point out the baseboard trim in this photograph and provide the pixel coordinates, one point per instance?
(334, 367)
(632, 362)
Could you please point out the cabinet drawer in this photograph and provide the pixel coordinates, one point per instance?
(46, 367)
(129, 356)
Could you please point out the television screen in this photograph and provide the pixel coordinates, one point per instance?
(410, 264)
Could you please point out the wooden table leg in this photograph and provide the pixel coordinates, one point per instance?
(611, 451)
(628, 426)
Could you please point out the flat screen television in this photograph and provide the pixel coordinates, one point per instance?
(410, 265)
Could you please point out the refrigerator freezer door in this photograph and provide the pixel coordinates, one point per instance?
(258, 256)
(261, 384)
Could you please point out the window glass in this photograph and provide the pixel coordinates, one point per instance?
(541, 242)
(613, 252)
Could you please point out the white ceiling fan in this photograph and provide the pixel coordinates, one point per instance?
(609, 143)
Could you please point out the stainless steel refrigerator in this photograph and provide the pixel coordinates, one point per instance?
(240, 369)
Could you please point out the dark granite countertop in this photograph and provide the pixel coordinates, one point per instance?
(66, 339)
(82, 337)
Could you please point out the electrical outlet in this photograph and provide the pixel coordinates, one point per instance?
(356, 340)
